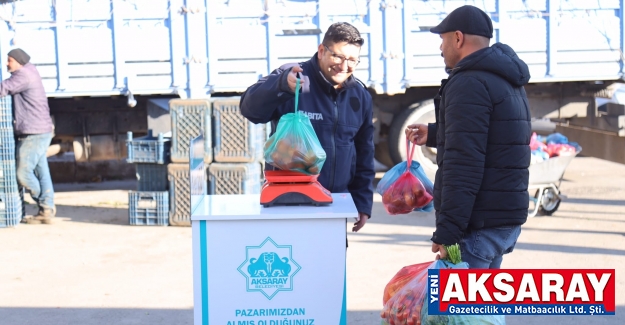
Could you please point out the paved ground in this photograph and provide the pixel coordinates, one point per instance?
(91, 268)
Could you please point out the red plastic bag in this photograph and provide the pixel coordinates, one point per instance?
(405, 296)
(408, 305)
(407, 290)
(407, 193)
(402, 277)
(555, 150)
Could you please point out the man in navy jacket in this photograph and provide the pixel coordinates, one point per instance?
(482, 134)
(339, 108)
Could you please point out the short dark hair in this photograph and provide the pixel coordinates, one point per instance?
(343, 32)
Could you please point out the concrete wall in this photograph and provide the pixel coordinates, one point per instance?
(599, 144)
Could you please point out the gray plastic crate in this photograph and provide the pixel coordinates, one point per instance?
(179, 194)
(236, 138)
(190, 118)
(152, 177)
(148, 149)
(11, 209)
(148, 208)
(225, 179)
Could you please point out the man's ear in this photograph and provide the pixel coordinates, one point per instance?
(458, 39)
(320, 51)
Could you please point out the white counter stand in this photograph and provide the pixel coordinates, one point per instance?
(283, 265)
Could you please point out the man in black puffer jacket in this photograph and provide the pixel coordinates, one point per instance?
(482, 134)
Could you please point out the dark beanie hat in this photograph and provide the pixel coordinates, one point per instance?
(467, 19)
(20, 56)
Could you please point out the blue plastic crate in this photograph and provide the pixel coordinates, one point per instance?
(8, 166)
(7, 144)
(7, 136)
(6, 113)
(226, 179)
(6, 103)
(236, 138)
(148, 208)
(189, 119)
(148, 149)
(11, 209)
(152, 177)
(8, 176)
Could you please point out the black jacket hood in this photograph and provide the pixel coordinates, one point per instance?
(499, 59)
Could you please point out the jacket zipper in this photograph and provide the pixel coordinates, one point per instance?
(336, 122)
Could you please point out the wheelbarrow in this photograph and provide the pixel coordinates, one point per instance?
(545, 180)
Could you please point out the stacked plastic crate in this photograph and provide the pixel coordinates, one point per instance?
(149, 204)
(11, 204)
(233, 164)
(189, 119)
(238, 150)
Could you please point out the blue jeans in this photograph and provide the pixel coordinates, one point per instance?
(484, 248)
(33, 173)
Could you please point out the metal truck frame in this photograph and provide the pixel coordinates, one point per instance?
(103, 61)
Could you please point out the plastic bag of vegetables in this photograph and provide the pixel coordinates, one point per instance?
(295, 146)
(405, 187)
(404, 296)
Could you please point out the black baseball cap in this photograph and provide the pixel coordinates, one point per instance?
(467, 19)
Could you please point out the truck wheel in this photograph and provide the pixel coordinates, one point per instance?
(422, 112)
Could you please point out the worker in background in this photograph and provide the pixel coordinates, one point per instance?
(482, 135)
(33, 131)
(339, 107)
